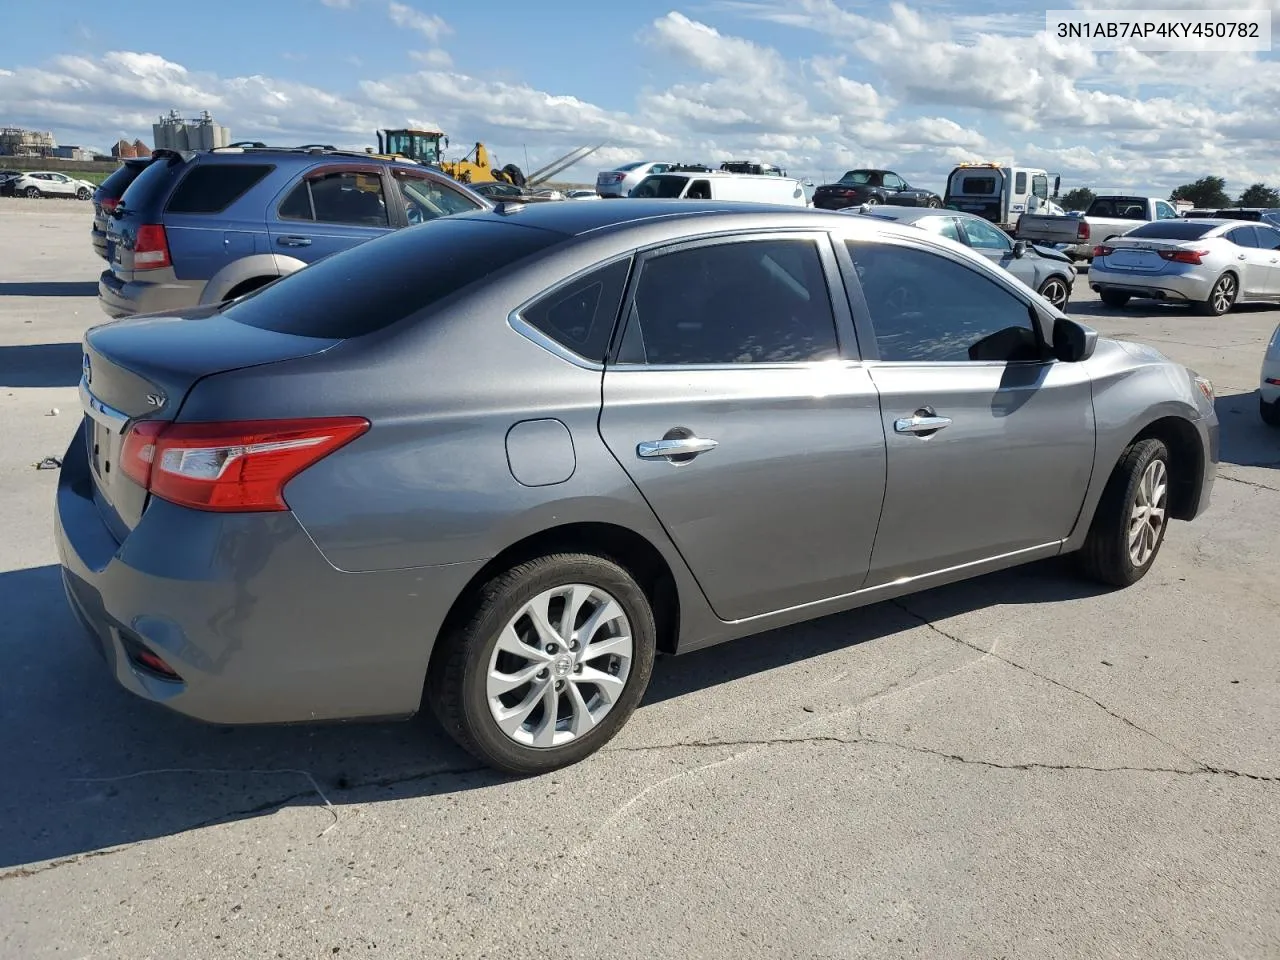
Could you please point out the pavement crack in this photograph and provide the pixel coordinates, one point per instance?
(1250, 483)
(62, 862)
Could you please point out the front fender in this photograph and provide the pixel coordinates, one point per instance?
(269, 265)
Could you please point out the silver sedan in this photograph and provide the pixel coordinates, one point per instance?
(1211, 264)
(1043, 269)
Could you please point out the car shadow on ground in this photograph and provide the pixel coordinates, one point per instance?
(88, 766)
(40, 365)
(1146, 310)
(1246, 440)
(50, 288)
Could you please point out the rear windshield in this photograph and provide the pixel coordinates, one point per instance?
(152, 185)
(371, 286)
(1237, 215)
(663, 186)
(212, 187)
(1119, 208)
(978, 186)
(1171, 230)
(124, 175)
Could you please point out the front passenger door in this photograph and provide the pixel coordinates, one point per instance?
(1251, 261)
(990, 443)
(994, 244)
(736, 404)
(1269, 242)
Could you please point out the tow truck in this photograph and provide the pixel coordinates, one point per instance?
(1001, 193)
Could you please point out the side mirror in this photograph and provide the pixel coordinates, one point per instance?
(1073, 341)
(1020, 248)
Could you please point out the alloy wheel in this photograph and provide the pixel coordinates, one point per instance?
(1224, 294)
(559, 666)
(1055, 291)
(1147, 516)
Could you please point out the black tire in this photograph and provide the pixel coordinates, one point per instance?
(1270, 412)
(1057, 290)
(31, 193)
(1222, 297)
(871, 201)
(514, 174)
(934, 202)
(1105, 556)
(83, 194)
(456, 680)
(1114, 299)
(247, 286)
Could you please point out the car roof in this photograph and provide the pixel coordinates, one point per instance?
(890, 211)
(574, 219)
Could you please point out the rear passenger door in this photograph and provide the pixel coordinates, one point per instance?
(736, 403)
(1252, 263)
(212, 218)
(1269, 241)
(330, 209)
(990, 442)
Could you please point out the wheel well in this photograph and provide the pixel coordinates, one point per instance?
(244, 286)
(1186, 464)
(633, 552)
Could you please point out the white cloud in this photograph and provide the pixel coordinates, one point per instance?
(432, 58)
(338, 4)
(429, 25)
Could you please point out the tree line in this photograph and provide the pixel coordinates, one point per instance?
(1207, 193)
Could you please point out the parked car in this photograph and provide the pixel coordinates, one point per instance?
(1211, 264)
(718, 185)
(858, 187)
(581, 195)
(1043, 269)
(7, 179)
(619, 181)
(46, 183)
(498, 191)
(211, 226)
(753, 167)
(1109, 216)
(1001, 193)
(108, 195)
(1267, 215)
(1269, 387)
(435, 457)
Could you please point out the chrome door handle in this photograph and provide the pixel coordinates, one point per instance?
(295, 241)
(679, 447)
(1240, 256)
(919, 424)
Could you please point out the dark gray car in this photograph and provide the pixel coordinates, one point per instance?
(498, 461)
(1043, 269)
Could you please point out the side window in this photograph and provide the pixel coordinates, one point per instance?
(58, 178)
(1165, 212)
(1040, 186)
(699, 190)
(753, 301)
(580, 315)
(1268, 238)
(943, 227)
(983, 236)
(344, 197)
(1243, 237)
(927, 308)
(426, 199)
(893, 181)
(1020, 184)
(212, 187)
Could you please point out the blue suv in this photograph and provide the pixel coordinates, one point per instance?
(200, 228)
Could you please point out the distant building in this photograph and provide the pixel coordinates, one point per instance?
(140, 149)
(66, 152)
(123, 149)
(175, 133)
(17, 142)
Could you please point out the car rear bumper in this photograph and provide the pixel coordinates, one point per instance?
(1183, 287)
(258, 627)
(120, 298)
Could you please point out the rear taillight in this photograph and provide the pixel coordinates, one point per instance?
(1082, 231)
(1102, 250)
(231, 467)
(109, 203)
(151, 248)
(1183, 256)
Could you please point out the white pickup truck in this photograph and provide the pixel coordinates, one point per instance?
(1110, 215)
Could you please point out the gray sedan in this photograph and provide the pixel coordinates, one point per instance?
(1043, 269)
(493, 464)
(1210, 264)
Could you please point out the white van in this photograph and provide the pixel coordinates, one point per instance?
(718, 185)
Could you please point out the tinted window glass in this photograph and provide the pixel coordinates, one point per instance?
(376, 283)
(1020, 184)
(1120, 208)
(580, 316)
(350, 198)
(124, 175)
(1269, 238)
(212, 187)
(983, 236)
(297, 205)
(978, 186)
(152, 185)
(426, 199)
(1171, 230)
(927, 308)
(943, 226)
(699, 190)
(1242, 237)
(1040, 186)
(664, 187)
(1165, 212)
(758, 301)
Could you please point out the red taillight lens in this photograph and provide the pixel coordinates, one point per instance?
(1103, 251)
(1183, 256)
(231, 467)
(1082, 231)
(109, 203)
(151, 248)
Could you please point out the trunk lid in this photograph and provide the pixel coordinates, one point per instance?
(142, 369)
(1131, 255)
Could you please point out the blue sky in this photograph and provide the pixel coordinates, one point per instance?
(817, 85)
